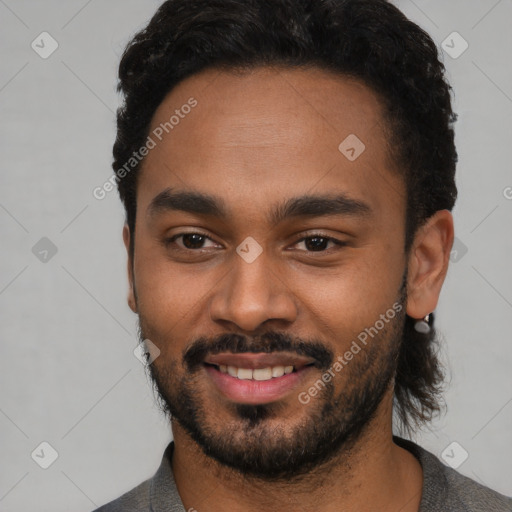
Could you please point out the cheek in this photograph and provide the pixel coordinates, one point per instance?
(172, 298)
(346, 300)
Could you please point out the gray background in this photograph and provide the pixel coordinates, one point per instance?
(68, 375)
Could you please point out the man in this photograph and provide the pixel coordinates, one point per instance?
(287, 169)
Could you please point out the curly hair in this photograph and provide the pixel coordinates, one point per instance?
(369, 40)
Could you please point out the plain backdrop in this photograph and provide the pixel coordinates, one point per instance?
(68, 375)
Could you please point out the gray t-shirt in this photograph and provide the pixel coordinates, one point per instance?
(444, 489)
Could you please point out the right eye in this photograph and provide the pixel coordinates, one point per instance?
(190, 241)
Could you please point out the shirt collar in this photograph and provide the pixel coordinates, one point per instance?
(164, 495)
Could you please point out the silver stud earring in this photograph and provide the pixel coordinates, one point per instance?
(423, 325)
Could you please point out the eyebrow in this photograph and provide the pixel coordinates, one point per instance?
(198, 203)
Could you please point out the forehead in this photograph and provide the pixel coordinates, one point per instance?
(267, 134)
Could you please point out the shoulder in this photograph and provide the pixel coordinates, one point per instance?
(444, 488)
(475, 496)
(156, 493)
(136, 500)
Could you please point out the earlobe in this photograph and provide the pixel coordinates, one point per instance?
(428, 264)
(132, 303)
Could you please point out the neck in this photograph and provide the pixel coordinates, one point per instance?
(373, 474)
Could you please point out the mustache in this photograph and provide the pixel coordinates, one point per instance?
(196, 353)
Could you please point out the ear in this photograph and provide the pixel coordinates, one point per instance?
(131, 292)
(428, 264)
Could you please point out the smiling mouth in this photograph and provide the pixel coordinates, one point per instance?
(257, 379)
(258, 374)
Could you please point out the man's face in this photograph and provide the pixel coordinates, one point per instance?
(261, 277)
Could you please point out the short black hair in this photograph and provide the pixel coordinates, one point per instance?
(369, 40)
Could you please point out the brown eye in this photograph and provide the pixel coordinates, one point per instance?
(189, 241)
(318, 243)
(193, 240)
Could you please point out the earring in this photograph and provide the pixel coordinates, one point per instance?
(423, 325)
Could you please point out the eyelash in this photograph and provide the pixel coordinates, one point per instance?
(172, 240)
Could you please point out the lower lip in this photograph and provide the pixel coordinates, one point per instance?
(256, 391)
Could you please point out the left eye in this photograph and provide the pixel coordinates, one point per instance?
(317, 243)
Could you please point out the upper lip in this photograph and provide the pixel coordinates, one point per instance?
(259, 360)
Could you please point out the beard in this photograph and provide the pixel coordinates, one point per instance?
(260, 441)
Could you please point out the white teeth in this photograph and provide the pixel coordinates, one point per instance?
(257, 374)
(261, 374)
(244, 373)
(277, 371)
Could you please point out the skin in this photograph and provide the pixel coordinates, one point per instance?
(254, 140)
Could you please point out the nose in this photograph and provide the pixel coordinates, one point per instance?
(251, 294)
